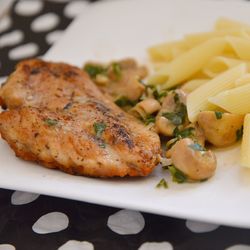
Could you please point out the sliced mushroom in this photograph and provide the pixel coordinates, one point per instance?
(220, 129)
(164, 126)
(118, 77)
(171, 100)
(193, 160)
(197, 134)
(192, 131)
(172, 113)
(145, 108)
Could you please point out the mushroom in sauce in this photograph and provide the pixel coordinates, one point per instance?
(193, 160)
(221, 129)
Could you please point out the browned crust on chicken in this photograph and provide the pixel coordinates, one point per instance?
(65, 95)
(37, 83)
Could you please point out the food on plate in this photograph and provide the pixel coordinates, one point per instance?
(245, 147)
(165, 112)
(192, 159)
(199, 99)
(173, 113)
(119, 79)
(112, 120)
(59, 118)
(220, 128)
(212, 68)
(52, 86)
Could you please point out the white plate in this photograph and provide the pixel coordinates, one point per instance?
(126, 28)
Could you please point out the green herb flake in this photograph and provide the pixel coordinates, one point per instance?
(142, 82)
(68, 106)
(149, 119)
(162, 184)
(187, 132)
(99, 128)
(117, 70)
(176, 98)
(123, 101)
(203, 180)
(158, 94)
(51, 122)
(196, 147)
(102, 145)
(164, 167)
(178, 117)
(175, 118)
(93, 70)
(177, 175)
(171, 143)
(239, 133)
(218, 115)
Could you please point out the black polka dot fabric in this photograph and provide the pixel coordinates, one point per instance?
(36, 222)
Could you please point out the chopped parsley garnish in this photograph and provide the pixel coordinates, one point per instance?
(171, 143)
(102, 145)
(117, 70)
(149, 119)
(51, 122)
(162, 184)
(176, 98)
(239, 133)
(187, 132)
(123, 101)
(158, 94)
(99, 128)
(179, 116)
(175, 118)
(67, 106)
(197, 147)
(218, 115)
(177, 175)
(93, 70)
(203, 180)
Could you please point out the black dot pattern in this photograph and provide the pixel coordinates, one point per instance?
(22, 23)
(88, 222)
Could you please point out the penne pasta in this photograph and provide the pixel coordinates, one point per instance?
(191, 85)
(235, 100)
(198, 100)
(245, 79)
(240, 46)
(193, 40)
(189, 63)
(167, 51)
(227, 23)
(220, 64)
(245, 145)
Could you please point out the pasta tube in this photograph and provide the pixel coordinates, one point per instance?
(193, 40)
(166, 51)
(240, 46)
(187, 64)
(245, 79)
(220, 64)
(191, 85)
(234, 100)
(227, 23)
(245, 145)
(198, 100)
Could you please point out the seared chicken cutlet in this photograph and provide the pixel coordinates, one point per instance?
(41, 84)
(60, 119)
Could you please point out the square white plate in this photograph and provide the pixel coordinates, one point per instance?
(117, 29)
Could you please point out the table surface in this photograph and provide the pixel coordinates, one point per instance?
(30, 221)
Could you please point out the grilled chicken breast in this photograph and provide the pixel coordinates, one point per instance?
(59, 118)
